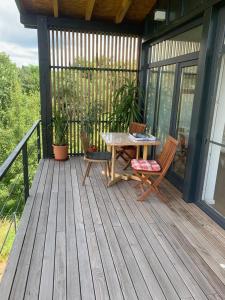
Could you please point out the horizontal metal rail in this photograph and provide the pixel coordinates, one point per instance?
(11, 158)
(93, 69)
(22, 147)
(217, 144)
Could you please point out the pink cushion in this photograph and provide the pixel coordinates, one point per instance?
(145, 165)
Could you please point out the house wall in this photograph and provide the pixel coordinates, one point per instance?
(180, 16)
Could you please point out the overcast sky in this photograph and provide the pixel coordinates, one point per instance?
(18, 42)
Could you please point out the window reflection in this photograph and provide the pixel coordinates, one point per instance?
(186, 97)
(184, 43)
(151, 97)
(166, 88)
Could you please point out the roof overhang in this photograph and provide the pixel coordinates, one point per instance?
(114, 16)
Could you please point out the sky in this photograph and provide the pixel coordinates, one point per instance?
(15, 40)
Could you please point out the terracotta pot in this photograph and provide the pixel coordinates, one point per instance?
(60, 152)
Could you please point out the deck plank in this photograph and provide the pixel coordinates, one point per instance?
(100, 286)
(93, 242)
(73, 280)
(7, 280)
(20, 279)
(47, 276)
(34, 276)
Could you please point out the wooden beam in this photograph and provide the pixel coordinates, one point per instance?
(30, 21)
(56, 8)
(125, 4)
(89, 9)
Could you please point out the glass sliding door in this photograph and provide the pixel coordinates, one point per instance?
(159, 101)
(183, 116)
(152, 90)
(166, 90)
(214, 187)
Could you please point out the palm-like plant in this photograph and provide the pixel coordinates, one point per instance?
(125, 106)
(61, 128)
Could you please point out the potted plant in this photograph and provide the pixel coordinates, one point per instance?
(60, 146)
(88, 121)
(125, 107)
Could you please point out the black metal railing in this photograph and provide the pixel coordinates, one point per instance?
(20, 157)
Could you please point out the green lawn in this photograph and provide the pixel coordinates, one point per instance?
(4, 227)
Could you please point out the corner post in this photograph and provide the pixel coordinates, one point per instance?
(45, 83)
(143, 62)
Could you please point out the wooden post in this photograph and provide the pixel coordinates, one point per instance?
(45, 81)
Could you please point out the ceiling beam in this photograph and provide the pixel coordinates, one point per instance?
(125, 4)
(89, 9)
(55, 8)
(30, 21)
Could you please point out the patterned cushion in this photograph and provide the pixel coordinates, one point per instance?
(145, 165)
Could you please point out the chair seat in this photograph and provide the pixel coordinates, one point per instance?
(99, 155)
(145, 165)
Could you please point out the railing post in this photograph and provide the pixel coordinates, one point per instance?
(38, 142)
(25, 172)
(14, 220)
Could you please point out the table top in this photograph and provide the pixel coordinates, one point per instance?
(124, 139)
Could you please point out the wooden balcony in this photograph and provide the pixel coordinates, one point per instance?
(94, 242)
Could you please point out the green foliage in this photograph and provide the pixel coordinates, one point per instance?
(19, 108)
(5, 225)
(90, 118)
(61, 128)
(29, 79)
(125, 106)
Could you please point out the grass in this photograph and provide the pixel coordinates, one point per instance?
(4, 227)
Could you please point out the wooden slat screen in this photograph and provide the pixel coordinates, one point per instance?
(86, 70)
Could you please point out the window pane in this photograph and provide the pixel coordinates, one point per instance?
(151, 97)
(214, 187)
(184, 43)
(186, 97)
(165, 102)
(214, 190)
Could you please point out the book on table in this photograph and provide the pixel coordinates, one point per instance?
(142, 137)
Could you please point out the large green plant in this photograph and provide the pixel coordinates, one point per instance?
(125, 106)
(89, 118)
(61, 128)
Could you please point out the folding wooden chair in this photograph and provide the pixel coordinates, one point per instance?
(151, 172)
(94, 157)
(127, 153)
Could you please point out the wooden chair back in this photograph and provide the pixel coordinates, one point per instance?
(167, 155)
(137, 127)
(84, 141)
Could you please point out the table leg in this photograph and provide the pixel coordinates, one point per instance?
(138, 152)
(113, 163)
(145, 152)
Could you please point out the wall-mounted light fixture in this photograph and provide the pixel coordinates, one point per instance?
(160, 15)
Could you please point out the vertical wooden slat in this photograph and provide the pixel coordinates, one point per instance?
(96, 86)
(53, 71)
(74, 92)
(71, 98)
(91, 87)
(89, 64)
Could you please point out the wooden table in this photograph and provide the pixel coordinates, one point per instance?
(114, 140)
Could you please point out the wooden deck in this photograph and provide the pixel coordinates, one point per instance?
(95, 242)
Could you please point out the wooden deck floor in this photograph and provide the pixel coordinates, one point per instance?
(95, 242)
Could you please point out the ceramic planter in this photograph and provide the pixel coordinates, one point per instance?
(60, 152)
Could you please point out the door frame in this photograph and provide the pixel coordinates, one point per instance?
(172, 176)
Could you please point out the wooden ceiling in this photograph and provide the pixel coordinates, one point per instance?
(108, 10)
